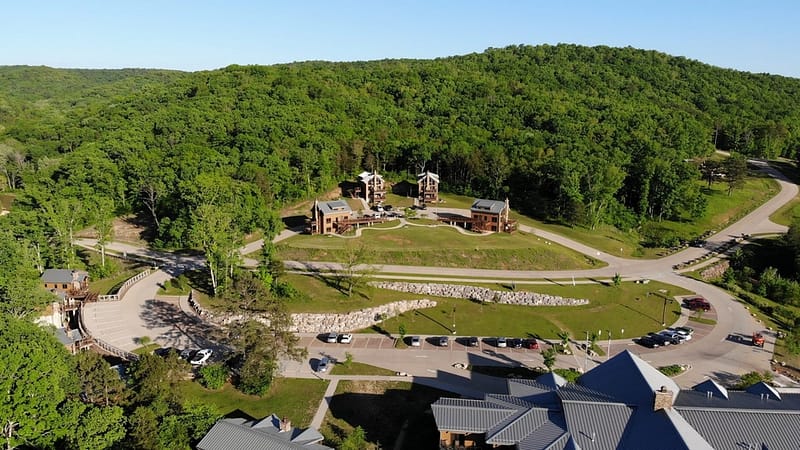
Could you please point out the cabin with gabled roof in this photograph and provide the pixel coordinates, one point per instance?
(329, 217)
(428, 188)
(491, 215)
(371, 187)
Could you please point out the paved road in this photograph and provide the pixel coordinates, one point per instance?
(712, 355)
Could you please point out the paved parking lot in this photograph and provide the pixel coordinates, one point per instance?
(366, 341)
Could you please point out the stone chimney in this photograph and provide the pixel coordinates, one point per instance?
(662, 399)
(286, 424)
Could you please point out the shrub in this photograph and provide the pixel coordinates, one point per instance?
(671, 370)
(213, 376)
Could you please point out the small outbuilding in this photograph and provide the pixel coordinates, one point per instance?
(64, 282)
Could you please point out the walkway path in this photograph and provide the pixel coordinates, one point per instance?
(712, 356)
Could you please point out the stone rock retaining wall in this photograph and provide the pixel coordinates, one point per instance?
(715, 271)
(355, 320)
(480, 294)
(321, 323)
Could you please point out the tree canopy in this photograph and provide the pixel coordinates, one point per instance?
(584, 135)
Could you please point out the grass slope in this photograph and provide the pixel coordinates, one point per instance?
(441, 247)
(295, 398)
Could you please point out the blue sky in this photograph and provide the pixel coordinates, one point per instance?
(755, 36)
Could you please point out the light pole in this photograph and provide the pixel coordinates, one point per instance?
(586, 354)
(664, 311)
(609, 345)
(454, 320)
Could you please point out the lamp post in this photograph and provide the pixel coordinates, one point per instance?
(609, 345)
(454, 320)
(664, 311)
(586, 354)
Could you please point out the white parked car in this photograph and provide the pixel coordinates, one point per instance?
(415, 341)
(332, 338)
(201, 357)
(346, 338)
(501, 342)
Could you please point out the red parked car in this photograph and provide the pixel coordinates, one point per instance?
(696, 303)
(532, 344)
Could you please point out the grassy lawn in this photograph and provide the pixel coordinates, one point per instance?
(297, 399)
(111, 284)
(393, 414)
(442, 247)
(722, 209)
(398, 202)
(145, 349)
(787, 213)
(627, 307)
(357, 368)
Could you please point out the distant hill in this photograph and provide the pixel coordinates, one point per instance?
(581, 134)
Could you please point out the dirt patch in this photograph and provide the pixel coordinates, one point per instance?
(130, 229)
(304, 207)
(394, 239)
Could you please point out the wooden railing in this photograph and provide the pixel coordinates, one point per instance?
(124, 288)
(124, 354)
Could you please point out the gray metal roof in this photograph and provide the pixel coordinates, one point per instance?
(762, 388)
(660, 430)
(711, 388)
(597, 425)
(744, 429)
(578, 393)
(741, 400)
(63, 275)
(334, 206)
(238, 434)
(552, 380)
(551, 435)
(628, 378)
(517, 427)
(618, 413)
(67, 337)
(508, 401)
(488, 206)
(472, 416)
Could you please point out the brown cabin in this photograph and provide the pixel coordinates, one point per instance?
(327, 217)
(428, 188)
(372, 188)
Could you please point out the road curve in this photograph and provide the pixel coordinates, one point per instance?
(712, 356)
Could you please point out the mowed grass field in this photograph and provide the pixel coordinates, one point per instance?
(722, 210)
(295, 398)
(439, 246)
(636, 308)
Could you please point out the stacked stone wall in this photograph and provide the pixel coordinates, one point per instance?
(716, 271)
(480, 294)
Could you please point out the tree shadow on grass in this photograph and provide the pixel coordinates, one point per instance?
(449, 330)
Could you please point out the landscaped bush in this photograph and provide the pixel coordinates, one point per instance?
(213, 376)
(671, 370)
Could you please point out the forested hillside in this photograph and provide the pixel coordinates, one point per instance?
(577, 134)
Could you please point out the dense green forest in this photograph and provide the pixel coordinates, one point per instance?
(582, 135)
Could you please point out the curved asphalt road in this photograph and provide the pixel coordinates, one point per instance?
(713, 355)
